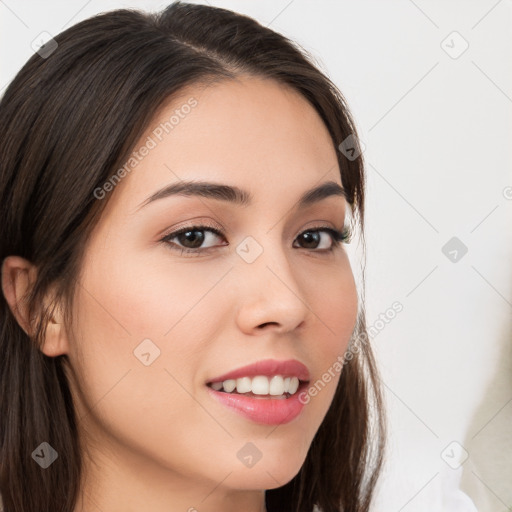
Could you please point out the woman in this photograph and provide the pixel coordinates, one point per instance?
(181, 327)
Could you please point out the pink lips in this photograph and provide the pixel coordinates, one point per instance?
(267, 410)
(268, 367)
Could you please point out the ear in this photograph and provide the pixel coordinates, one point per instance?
(18, 278)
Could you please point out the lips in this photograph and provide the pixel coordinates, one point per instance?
(263, 411)
(268, 367)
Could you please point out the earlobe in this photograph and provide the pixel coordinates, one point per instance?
(55, 342)
(18, 278)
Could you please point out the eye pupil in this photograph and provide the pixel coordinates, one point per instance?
(196, 240)
(311, 235)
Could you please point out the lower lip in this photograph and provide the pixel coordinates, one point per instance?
(267, 411)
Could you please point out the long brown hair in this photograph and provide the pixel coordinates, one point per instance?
(68, 120)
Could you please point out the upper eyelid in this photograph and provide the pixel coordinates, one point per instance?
(215, 225)
(198, 226)
(333, 233)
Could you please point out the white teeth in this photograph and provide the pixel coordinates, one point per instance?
(243, 385)
(229, 385)
(259, 385)
(294, 384)
(276, 385)
(217, 386)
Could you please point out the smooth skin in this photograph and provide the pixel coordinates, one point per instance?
(157, 440)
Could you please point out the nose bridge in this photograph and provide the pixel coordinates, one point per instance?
(269, 290)
(265, 255)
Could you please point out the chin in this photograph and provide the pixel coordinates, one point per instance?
(269, 473)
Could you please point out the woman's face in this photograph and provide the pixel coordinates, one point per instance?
(156, 325)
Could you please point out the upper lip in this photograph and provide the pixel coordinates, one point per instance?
(268, 367)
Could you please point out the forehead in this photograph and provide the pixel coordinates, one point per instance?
(251, 132)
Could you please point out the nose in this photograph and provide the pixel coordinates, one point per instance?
(269, 294)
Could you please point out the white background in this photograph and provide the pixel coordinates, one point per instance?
(437, 132)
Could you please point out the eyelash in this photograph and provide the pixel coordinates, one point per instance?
(337, 237)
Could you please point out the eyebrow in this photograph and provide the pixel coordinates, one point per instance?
(238, 196)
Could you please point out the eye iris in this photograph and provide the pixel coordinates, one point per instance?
(311, 235)
(196, 240)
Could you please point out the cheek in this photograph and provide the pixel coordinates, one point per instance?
(120, 310)
(334, 301)
(334, 305)
(139, 298)
(147, 317)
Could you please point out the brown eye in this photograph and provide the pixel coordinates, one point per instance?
(312, 238)
(191, 238)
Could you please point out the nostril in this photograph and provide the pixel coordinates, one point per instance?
(267, 323)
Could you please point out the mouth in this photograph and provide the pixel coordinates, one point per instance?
(264, 378)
